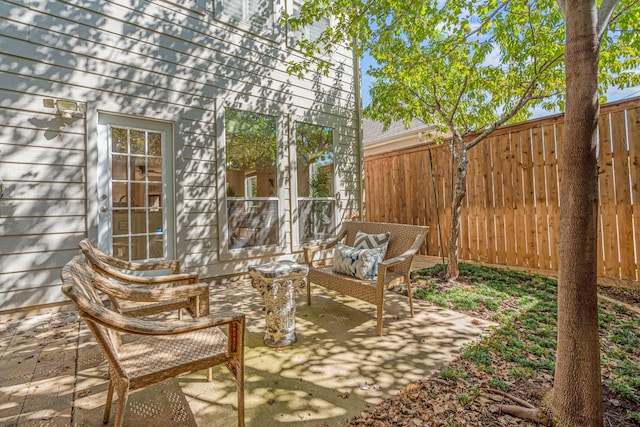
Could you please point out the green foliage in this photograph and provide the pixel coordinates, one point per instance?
(479, 354)
(464, 64)
(464, 398)
(526, 337)
(451, 374)
(498, 383)
(633, 416)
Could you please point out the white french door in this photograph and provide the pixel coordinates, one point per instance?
(135, 176)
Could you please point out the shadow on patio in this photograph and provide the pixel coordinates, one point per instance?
(337, 368)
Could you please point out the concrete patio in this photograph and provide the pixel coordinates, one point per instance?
(52, 373)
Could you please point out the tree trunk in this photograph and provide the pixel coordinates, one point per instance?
(459, 191)
(576, 398)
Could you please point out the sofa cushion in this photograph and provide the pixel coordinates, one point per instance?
(360, 263)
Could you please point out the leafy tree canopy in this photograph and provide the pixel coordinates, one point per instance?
(465, 65)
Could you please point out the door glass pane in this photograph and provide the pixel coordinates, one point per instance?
(136, 194)
(137, 141)
(251, 179)
(119, 167)
(315, 181)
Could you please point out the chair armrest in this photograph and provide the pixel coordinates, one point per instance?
(112, 266)
(398, 259)
(186, 278)
(135, 325)
(173, 265)
(409, 253)
(152, 294)
(310, 250)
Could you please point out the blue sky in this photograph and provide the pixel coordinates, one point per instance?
(613, 94)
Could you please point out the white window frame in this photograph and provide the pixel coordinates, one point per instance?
(226, 254)
(198, 6)
(268, 29)
(293, 36)
(293, 155)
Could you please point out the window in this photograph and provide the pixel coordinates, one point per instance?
(194, 5)
(255, 14)
(315, 181)
(310, 32)
(251, 179)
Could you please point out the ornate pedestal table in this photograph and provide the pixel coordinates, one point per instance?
(279, 282)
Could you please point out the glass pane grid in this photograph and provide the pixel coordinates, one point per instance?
(136, 189)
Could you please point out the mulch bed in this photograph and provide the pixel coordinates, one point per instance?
(470, 401)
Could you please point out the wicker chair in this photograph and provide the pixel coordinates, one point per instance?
(195, 301)
(404, 243)
(163, 349)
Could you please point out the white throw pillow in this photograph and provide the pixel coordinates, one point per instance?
(360, 263)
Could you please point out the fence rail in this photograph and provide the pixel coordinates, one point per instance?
(510, 215)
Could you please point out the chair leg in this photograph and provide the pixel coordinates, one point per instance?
(410, 294)
(210, 374)
(107, 406)
(379, 313)
(123, 396)
(240, 383)
(308, 292)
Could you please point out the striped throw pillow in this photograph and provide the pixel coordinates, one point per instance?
(360, 263)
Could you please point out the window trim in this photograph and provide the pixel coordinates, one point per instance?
(224, 253)
(198, 6)
(269, 30)
(294, 36)
(293, 155)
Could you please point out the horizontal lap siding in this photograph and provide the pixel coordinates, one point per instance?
(154, 58)
(42, 212)
(510, 214)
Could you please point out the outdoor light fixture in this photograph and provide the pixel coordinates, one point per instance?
(67, 109)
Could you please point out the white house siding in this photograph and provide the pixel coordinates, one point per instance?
(164, 60)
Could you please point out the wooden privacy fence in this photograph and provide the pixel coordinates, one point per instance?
(510, 215)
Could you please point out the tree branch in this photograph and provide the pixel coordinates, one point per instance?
(533, 39)
(511, 397)
(533, 414)
(620, 12)
(462, 90)
(489, 19)
(526, 97)
(604, 16)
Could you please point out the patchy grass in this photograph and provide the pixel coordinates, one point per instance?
(522, 348)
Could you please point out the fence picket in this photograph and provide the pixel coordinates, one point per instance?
(624, 212)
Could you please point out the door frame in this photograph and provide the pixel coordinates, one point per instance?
(101, 161)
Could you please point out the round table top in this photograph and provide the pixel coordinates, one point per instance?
(279, 269)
